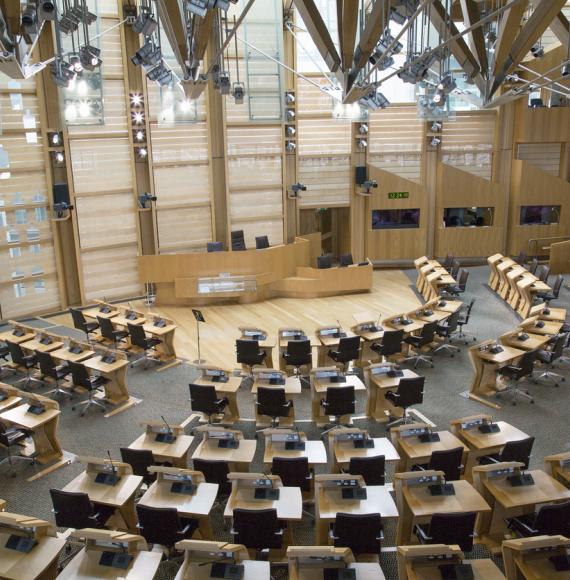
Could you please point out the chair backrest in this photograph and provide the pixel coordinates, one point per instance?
(392, 342)
(518, 451)
(140, 460)
(411, 391)
(372, 469)
(256, 529)
(557, 285)
(238, 241)
(553, 519)
(452, 322)
(247, 351)
(455, 267)
(349, 347)
(293, 471)
(324, 262)
(558, 348)
(261, 242)
(271, 402)
(359, 532)
(79, 375)
(533, 266)
(46, 362)
(522, 258)
(215, 471)
(468, 313)
(78, 319)
(542, 272)
(203, 398)
(159, 525)
(72, 510)
(340, 401)
(346, 260)
(463, 275)
(299, 352)
(448, 461)
(428, 333)
(453, 528)
(448, 262)
(215, 247)
(526, 363)
(106, 327)
(138, 335)
(16, 353)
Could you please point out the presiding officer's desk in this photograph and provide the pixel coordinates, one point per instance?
(168, 443)
(416, 504)
(329, 501)
(265, 342)
(423, 563)
(345, 443)
(282, 442)
(558, 466)
(214, 447)
(200, 556)
(471, 431)
(510, 501)
(128, 554)
(530, 558)
(226, 385)
(195, 504)
(10, 396)
(120, 496)
(38, 563)
(309, 563)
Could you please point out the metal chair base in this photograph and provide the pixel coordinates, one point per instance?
(10, 459)
(146, 359)
(419, 358)
(551, 376)
(446, 347)
(515, 392)
(28, 380)
(90, 402)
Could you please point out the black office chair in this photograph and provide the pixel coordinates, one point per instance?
(324, 262)
(346, 260)
(463, 320)
(48, 368)
(522, 258)
(390, 345)
(4, 354)
(249, 354)
(257, 530)
(459, 288)
(449, 461)
(550, 520)
(238, 241)
(547, 297)
(362, 533)
(214, 247)
(163, 526)
(298, 354)
(80, 323)
(550, 356)
(338, 402)
(519, 451)
(446, 330)
(448, 263)
(81, 378)
(271, 402)
(410, 392)
(516, 374)
(76, 510)
(10, 436)
(348, 351)
(140, 460)
(24, 363)
(533, 266)
(293, 471)
(452, 528)
(542, 273)
(147, 344)
(108, 331)
(455, 265)
(203, 399)
(215, 471)
(372, 469)
(426, 337)
(261, 242)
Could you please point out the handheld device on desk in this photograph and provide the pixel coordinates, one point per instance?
(75, 347)
(44, 339)
(182, 481)
(359, 438)
(163, 433)
(226, 439)
(287, 439)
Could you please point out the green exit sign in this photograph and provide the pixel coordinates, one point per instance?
(398, 195)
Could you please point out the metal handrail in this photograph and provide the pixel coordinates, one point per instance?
(534, 244)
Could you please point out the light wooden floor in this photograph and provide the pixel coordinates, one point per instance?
(391, 294)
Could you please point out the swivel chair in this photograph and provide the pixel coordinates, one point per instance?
(459, 288)
(108, 331)
(550, 356)
(519, 451)
(517, 373)
(390, 345)
(81, 378)
(80, 323)
(147, 344)
(446, 330)
(257, 530)
(449, 461)
(463, 320)
(294, 472)
(203, 399)
(450, 528)
(550, 520)
(214, 247)
(261, 242)
(271, 402)
(348, 350)
(238, 241)
(426, 338)
(362, 533)
(75, 510)
(410, 392)
(140, 460)
(298, 354)
(338, 403)
(547, 297)
(324, 262)
(249, 354)
(10, 436)
(163, 526)
(48, 368)
(372, 469)
(346, 260)
(23, 363)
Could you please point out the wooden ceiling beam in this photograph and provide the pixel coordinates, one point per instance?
(201, 30)
(347, 26)
(559, 27)
(472, 14)
(173, 26)
(370, 35)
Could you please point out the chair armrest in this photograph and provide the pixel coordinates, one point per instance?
(185, 530)
(234, 532)
(324, 403)
(517, 522)
(331, 534)
(381, 536)
(422, 535)
(489, 458)
(279, 532)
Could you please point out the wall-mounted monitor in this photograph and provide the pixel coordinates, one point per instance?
(539, 215)
(468, 217)
(393, 219)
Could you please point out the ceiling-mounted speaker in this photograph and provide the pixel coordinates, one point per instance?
(360, 174)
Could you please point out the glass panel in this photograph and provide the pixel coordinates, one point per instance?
(12, 237)
(37, 270)
(41, 214)
(17, 274)
(20, 216)
(39, 286)
(454, 217)
(19, 290)
(35, 249)
(540, 215)
(33, 234)
(389, 219)
(3, 222)
(15, 252)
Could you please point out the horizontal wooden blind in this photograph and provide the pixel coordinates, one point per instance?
(395, 129)
(318, 137)
(110, 44)
(187, 142)
(328, 181)
(14, 108)
(545, 156)
(311, 101)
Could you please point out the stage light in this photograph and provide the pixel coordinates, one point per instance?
(238, 93)
(59, 157)
(290, 146)
(362, 143)
(142, 152)
(435, 142)
(47, 10)
(89, 57)
(139, 135)
(75, 63)
(29, 16)
(289, 97)
(290, 115)
(537, 50)
(62, 73)
(566, 69)
(145, 22)
(136, 99)
(363, 129)
(138, 118)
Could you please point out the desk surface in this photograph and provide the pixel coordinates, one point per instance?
(550, 327)
(344, 450)
(349, 380)
(20, 416)
(508, 354)
(19, 566)
(289, 506)
(97, 364)
(415, 449)
(158, 330)
(95, 312)
(85, 566)
(364, 571)
(66, 355)
(314, 451)
(232, 385)
(484, 569)
(407, 328)
(253, 570)
(466, 499)
(545, 489)
(176, 449)
(10, 402)
(200, 504)
(111, 495)
(35, 344)
(477, 440)
(533, 341)
(9, 336)
(292, 386)
(383, 381)
(208, 449)
(330, 502)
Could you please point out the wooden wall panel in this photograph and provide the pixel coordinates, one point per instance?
(180, 143)
(328, 181)
(406, 165)
(110, 44)
(184, 229)
(24, 154)
(545, 156)
(40, 295)
(267, 203)
(254, 140)
(273, 229)
(323, 137)
(25, 188)
(13, 107)
(311, 101)
(181, 184)
(542, 125)
(247, 172)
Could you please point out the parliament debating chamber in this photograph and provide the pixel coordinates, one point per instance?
(284, 289)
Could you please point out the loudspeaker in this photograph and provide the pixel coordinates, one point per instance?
(61, 193)
(360, 176)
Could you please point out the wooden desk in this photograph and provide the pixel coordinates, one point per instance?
(43, 427)
(120, 496)
(238, 459)
(287, 335)
(558, 466)
(197, 506)
(9, 336)
(228, 389)
(370, 331)
(175, 452)
(13, 397)
(503, 269)
(253, 570)
(292, 385)
(343, 450)
(550, 327)
(528, 292)
(529, 558)
(329, 502)
(314, 451)
(116, 390)
(327, 342)
(98, 311)
(165, 350)
(265, 343)
(530, 343)
(413, 326)
(64, 354)
(494, 262)
(514, 276)
(35, 344)
(543, 313)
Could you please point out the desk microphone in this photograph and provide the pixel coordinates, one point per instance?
(339, 325)
(111, 462)
(167, 425)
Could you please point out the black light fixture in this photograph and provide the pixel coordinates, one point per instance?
(89, 57)
(145, 198)
(145, 22)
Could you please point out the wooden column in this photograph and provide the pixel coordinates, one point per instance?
(359, 204)
(430, 157)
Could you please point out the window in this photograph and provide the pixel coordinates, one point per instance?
(540, 215)
(35, 249)
(12, 237)
(21, 216)
(18, 198)
(456, 217)
(33, 234)
(20, 290)
(37, 270)
(41, 214)
(16, 274)
(39, 286)
(15, 252)
(39, 197)
(390, 219)
(3, 221)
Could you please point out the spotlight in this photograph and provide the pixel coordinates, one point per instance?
(290, 146)
(238, 93)
(435, 142)
(386, 63)
(295, 189)
(141, 153)
(416, 72)
(436, 127)
(89, 57)
(537, 50)
(75, 63)
(370, 184)
(145, 22)
(147, 55)
(136, 99)
(566, 69)
(59, 158)
(289, 97)
(397, 17)
(200, 7)
(160, 74)
(362, 143)
(139, 135)
(223, 82)
(60, 208)
(363, 129)
(374, 100)
(47, 10)
(145, 198)
(62, 73)
(385, 42)
(290, 115)
(30, 17)
(290, 130)
(138, 118)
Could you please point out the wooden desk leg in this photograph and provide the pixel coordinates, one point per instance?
(233, 409)
(129, 515)
(405, 526)
(269, 356)
(205, 528)
(371, 401)
(180, 462)
(166, 349)
(46, 443)
(116, 390)
(322, 531)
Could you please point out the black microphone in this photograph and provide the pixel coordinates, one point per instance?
(167, 425)
(111, 462)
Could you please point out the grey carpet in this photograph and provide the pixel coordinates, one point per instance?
(166, 393)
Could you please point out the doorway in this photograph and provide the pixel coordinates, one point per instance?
(334, 225)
